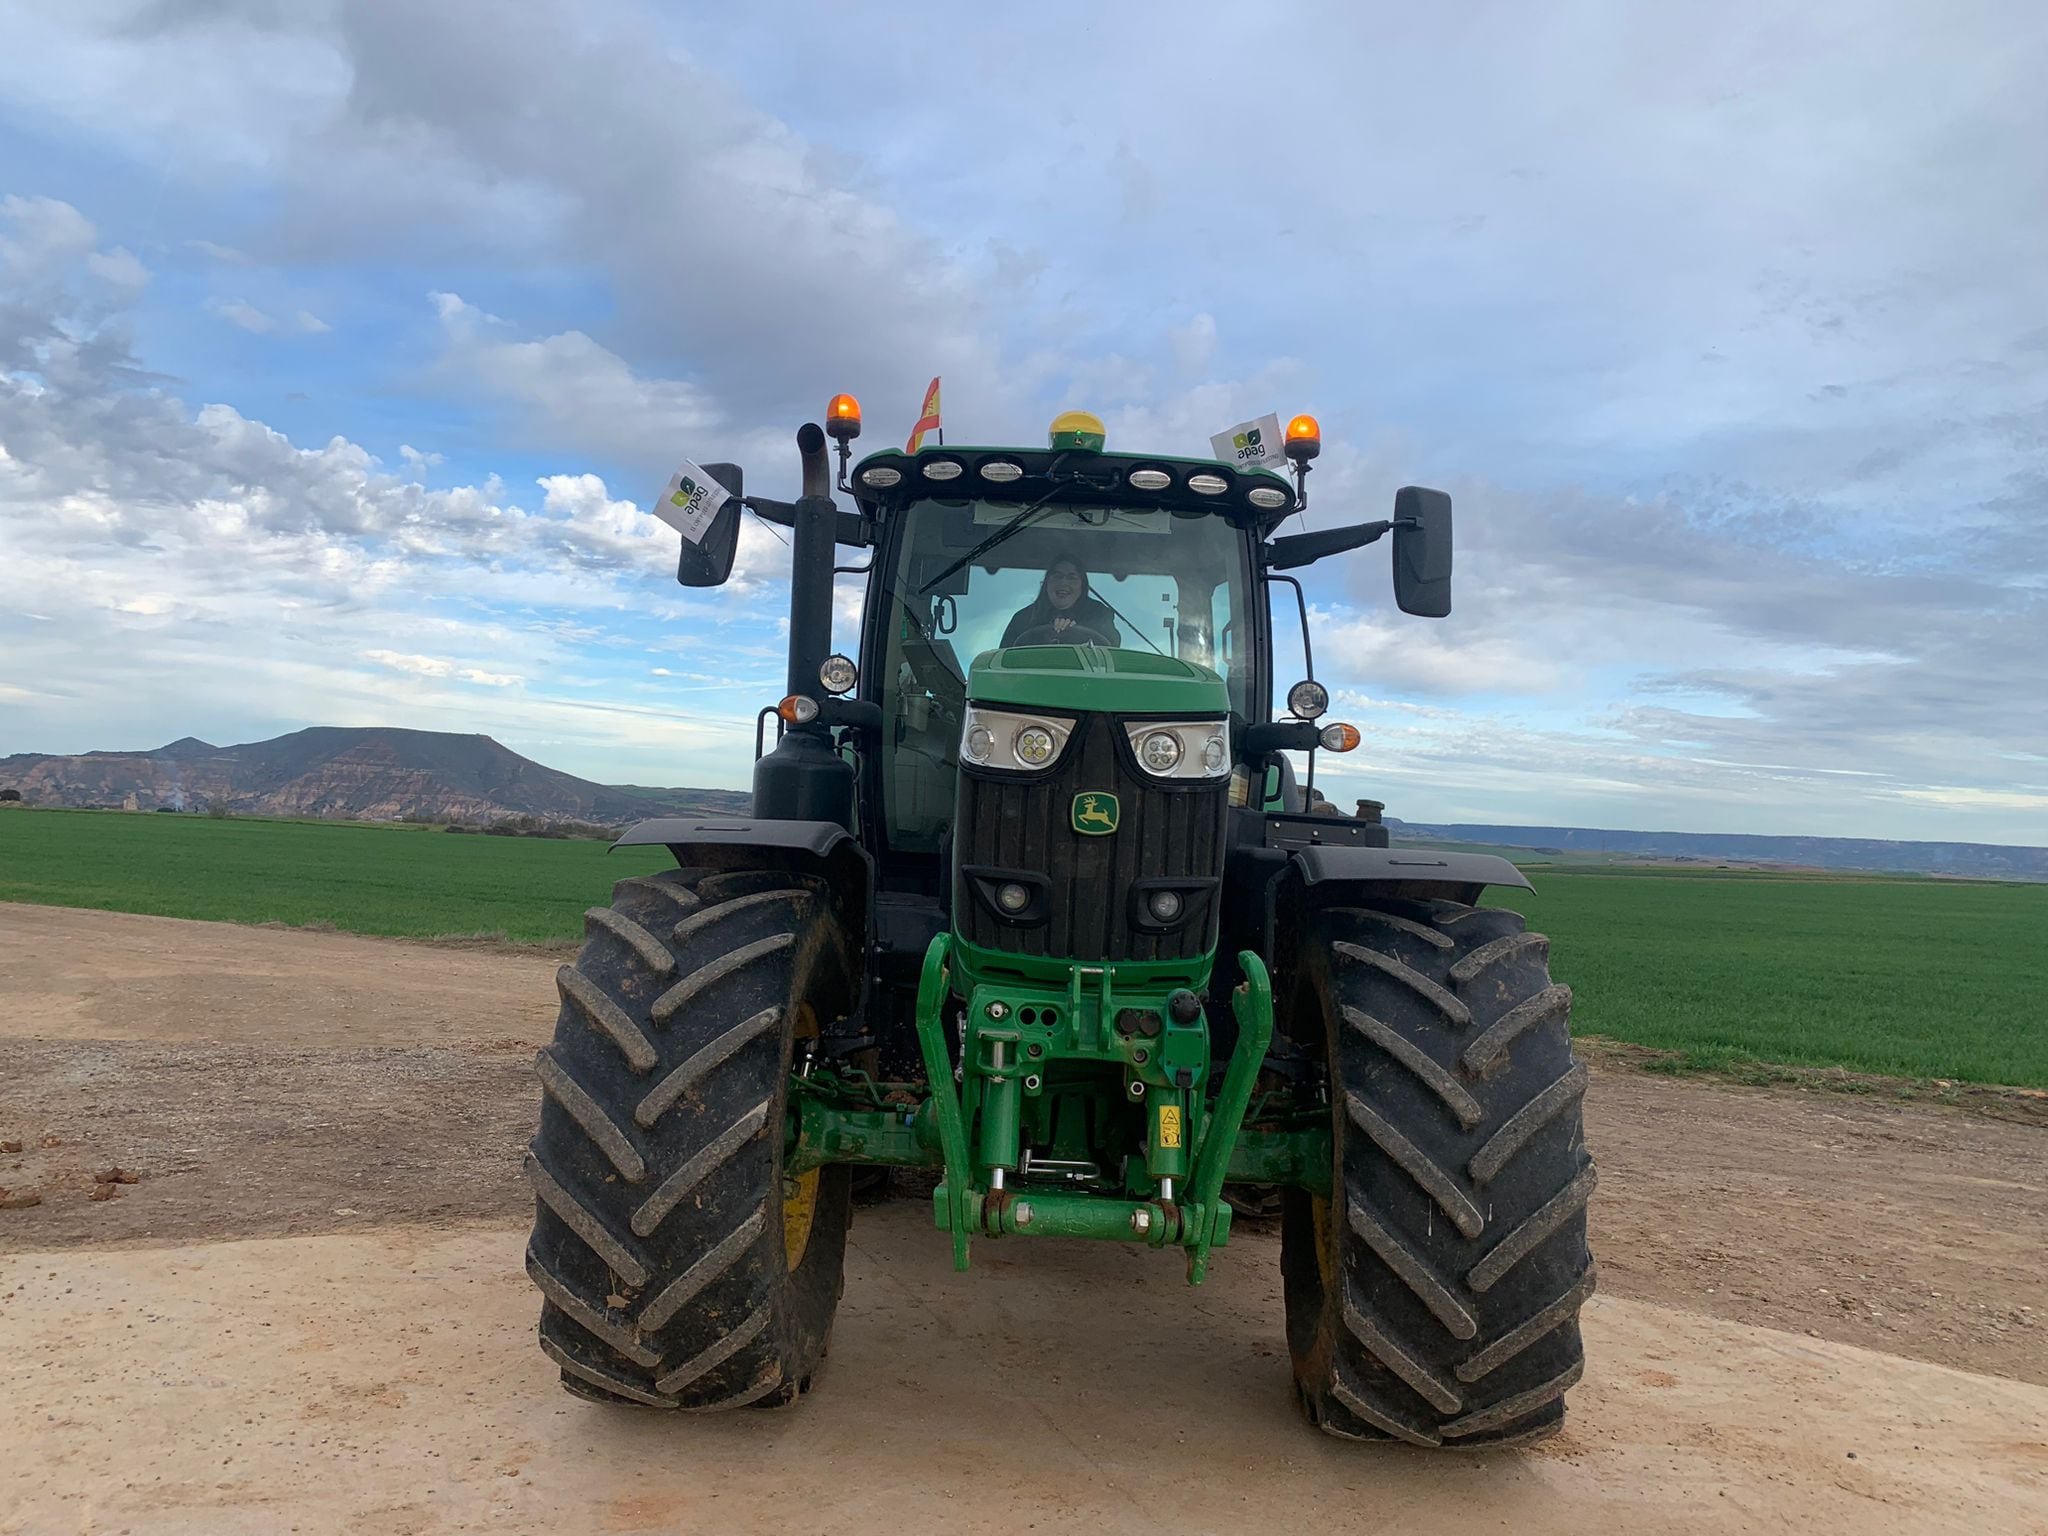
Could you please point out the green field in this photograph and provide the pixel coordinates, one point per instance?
(414, 882)
(1905, 977)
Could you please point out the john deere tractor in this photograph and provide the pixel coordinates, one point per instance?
(1033, 899)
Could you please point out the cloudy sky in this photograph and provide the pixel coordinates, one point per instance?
(342, 344)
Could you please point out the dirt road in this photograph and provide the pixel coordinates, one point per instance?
(310, 1309)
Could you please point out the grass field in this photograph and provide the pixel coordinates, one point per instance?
(407, 881)
(1905, 977)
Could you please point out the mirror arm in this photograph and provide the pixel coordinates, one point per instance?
(1299, 549)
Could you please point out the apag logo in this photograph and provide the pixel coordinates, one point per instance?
(688, 493)
(1249, 444)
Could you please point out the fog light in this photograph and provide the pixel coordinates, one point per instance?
(980, 742)
(1160, 751)
(1012, 897)
(1034, 745)
(1215, 754)
(1164, 905)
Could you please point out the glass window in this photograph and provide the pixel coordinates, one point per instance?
(1144, 579)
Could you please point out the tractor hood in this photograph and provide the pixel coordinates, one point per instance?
(1089, 679)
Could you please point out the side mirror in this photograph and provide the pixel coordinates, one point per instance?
(1422, 551)
(708, 562)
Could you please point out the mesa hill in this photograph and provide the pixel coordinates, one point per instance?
(372, 773)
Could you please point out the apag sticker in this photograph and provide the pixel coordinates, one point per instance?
(690, 500)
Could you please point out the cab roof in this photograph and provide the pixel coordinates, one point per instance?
(1100, 478)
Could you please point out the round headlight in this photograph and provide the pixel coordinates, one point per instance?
(1215, 754)
(838, 674)
(1208, 485)
(1151, 479)
(1002, 471)
(1164, 906)
(1012, 897)
(1160, 751)
(881, 477)
(943, 469)
(980, 742)
(1268, 496)
(1307, 701)
(1034, 745)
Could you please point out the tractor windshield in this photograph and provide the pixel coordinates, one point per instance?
(1143, 579)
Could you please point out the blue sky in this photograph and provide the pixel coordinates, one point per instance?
(342, 345)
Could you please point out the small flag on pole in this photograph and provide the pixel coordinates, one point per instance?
(927, 420)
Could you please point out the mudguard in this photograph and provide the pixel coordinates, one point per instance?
(1416, 871)
(822, 848)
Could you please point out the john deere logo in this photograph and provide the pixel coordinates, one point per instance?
(1095, 813)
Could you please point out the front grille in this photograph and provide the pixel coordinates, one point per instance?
(1011, 822)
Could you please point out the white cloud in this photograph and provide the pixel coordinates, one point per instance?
(490, 679)
(418, 666)
(240, 312)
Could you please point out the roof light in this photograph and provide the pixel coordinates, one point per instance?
(1002, 471)
(1150, 479)
(1267, 496)
(881, 477)
(842, 418)
(1208, 485)
(1304, 438)
(944, 469)
(1078, 432)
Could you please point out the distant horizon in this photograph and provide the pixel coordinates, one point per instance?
(1391, 813)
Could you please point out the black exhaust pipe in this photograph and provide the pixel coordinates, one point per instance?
(804, 779)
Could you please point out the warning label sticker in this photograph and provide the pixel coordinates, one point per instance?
(1169, 1125)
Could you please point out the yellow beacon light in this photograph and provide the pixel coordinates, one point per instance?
(1304, 438)
(1077, 431)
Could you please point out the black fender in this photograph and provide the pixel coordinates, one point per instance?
(1417, 872)
(821, 848)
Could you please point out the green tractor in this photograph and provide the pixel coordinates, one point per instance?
(1032, 899)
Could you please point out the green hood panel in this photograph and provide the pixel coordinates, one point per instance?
(1090, 679)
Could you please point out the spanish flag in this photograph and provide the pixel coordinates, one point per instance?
(927, 420)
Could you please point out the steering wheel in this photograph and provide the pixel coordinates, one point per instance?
(1075, 633)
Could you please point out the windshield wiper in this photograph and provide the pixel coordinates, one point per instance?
(1014, 525)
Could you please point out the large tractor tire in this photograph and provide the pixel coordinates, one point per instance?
(679, 1267)
(1434, 1299)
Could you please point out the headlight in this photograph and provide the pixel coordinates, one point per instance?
(1160, 751)
(838, 674)
(1181, 749)
(1308, 700)
(1020, 743)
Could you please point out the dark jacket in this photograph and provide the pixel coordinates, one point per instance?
(1089, 611)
